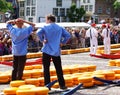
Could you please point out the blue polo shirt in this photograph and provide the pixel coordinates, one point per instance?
(54, 34)
(19, 38)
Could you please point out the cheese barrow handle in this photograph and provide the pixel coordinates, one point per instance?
(104, 80)
(49, 85)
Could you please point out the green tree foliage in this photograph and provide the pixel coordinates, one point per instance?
(116, 5)
(4, 6)
(75, 14)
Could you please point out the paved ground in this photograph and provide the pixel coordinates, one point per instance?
(83, 58)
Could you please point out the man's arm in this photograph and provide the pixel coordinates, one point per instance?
(30, 23)
(11, 22)
(24, 21)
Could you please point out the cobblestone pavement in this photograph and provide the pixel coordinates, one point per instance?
(83, 58)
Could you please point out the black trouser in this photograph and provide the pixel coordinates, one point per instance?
(18, 67)
(57, 63)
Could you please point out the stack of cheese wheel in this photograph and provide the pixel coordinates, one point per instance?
(118, 63)
(9, 73)
(75, 79)
(52, 71)
(117, 73)
(64, 52)
(40, 90)
(68, 81)
(28, 67)
(78, 50)
(86, 49)
(98, 72)
(10, 91)
(26, 90)
(33, 81)
(52, 78)
(36, 73)
(83, 68)
(37, 66)
(66, 70)
(117, 76)
(113, 51)
(17, 83)
(98, 82)
(99, 51)
(87, 74)
(87, 81)
(74, 69)
(71, 51)
(41, 71)
(41, 81)
(38, 54)
(112, 63)
(26, 74)
(5, 58)
(4, 78)
(91, 68)
(109, 74)
(82, 50)
(56, 85)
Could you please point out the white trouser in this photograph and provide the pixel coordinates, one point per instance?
(107, 46)
(93, 45)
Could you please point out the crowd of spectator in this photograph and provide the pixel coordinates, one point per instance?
(78, 39)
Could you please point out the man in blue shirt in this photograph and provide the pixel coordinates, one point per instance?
(52, 36)
(19, 36)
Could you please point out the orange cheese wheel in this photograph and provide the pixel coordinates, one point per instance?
(117, 76)
(85, 79)
(112, 63)
(26, 87)
(4, 76)
(88, 84)
(117, 71)
(4, 80)
(40, 90)
(17, 83)
(10, 91)
(32, 81)
(56, 85)
(25, 92)
(38, 66)
(28, 68)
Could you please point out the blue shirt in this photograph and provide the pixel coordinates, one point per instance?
(55, 35)
(19, 39)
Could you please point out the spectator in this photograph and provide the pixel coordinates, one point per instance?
(52, 35)
(19, 36)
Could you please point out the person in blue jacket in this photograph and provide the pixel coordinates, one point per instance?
(53, 36)
(19, 35)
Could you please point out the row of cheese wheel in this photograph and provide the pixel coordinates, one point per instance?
(39, 54)
(113, 46)
(26, 90)
(64, 52)
(29, 55)
(36, 71)
(20, 87)
(112, 51)
(72, 79)
(114, 63)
